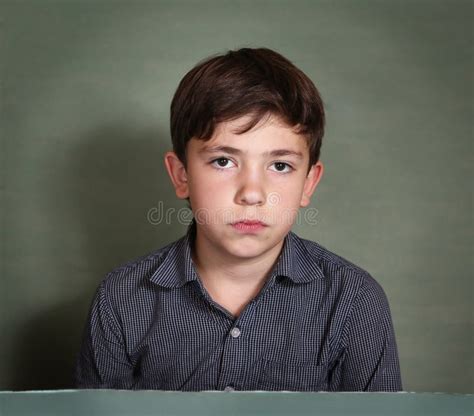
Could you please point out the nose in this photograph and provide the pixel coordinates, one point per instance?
(250, 189)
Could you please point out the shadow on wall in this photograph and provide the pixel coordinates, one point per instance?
(96, 202)
(46, 348)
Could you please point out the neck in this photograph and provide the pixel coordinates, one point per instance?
(221, 270)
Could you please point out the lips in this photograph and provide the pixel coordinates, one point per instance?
(249, 226)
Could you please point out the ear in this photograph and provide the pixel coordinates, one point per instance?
(178, 174)
(311, 181)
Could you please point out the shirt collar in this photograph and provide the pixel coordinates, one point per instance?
(177, 268)
(294, 262)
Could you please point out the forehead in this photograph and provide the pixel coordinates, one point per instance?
(268, 134)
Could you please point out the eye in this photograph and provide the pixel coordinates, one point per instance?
(221, 163)
(282, 167)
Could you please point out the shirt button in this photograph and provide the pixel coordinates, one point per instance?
(235, 332)
(229, 388)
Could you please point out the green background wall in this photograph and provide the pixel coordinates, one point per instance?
(85, 93)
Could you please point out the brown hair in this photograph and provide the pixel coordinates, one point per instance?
(254, 82)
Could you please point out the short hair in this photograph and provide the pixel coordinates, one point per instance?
(245, 82)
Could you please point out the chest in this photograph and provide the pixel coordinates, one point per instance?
(273, 344)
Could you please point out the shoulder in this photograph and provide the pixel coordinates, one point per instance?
(356, 292)
(336, 269)
(324, 257)
(134, 274)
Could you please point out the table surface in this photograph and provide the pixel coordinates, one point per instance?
(146, 402)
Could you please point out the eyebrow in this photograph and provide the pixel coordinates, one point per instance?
(234, 151)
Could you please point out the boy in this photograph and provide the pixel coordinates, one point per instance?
(241, 302)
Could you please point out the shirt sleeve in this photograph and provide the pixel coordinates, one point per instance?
(103, 361)
(369, 359)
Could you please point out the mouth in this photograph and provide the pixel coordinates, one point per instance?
(249, 226)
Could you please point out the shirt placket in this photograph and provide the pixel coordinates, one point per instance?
(235, 351)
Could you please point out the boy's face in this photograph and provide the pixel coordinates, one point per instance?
(261, 175)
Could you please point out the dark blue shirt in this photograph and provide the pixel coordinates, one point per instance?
(320, 323)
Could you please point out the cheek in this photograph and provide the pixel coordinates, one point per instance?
(210, 193)
(288, 194)
(283, 205)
